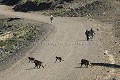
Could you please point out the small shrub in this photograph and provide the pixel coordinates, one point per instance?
(2, 43)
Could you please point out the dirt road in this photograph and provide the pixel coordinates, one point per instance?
(68, 41)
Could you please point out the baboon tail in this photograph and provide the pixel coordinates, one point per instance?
(42, 66)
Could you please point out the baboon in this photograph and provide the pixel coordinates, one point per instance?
(85, 62)
(31, 59)
(38, 64)
(59, 58)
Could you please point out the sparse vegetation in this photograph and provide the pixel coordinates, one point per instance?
(17, 34)
(88, 9)
(35, 5)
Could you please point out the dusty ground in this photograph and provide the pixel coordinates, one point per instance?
(68, 41)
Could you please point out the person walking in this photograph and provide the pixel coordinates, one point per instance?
(92, 32)
(51, 18)
(87, 34)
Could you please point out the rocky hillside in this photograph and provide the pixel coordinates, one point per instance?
(35, 5)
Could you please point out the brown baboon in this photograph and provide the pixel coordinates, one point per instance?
(31, 59)
(59, 58)
(38, 64)
(85, 62)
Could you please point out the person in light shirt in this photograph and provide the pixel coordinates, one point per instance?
(51, 18)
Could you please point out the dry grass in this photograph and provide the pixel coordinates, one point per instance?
(17, 33)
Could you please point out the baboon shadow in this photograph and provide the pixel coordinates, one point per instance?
(83, 67)
(30, 62)
(57, 62)
(106, 65)
(32, 68)
(80, 40)
(80, 67)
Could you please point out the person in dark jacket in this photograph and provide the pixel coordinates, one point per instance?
(87, 34)
(92, 32)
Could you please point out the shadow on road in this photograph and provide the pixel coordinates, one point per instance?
(106, 65)
(32, 68)
(80, 67)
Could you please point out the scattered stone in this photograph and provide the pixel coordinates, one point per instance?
(105, 52)
(108, 71)
(115, 42)
(104, 13)
(114, 78)
(119, 51)
(113, 46)
(115, 57)
(41, 33)
(97, 29)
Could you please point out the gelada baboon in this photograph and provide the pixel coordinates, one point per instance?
(59, 58)
(38, 64)
(85, 62)
(31, 59)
